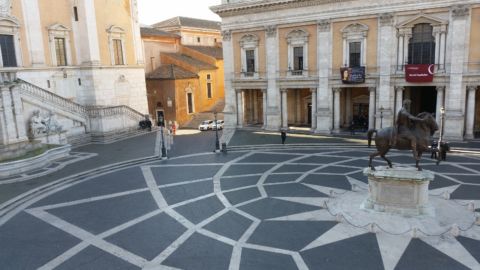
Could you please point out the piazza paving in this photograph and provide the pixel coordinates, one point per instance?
(248, 209)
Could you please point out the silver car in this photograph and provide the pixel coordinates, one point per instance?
(206, 125)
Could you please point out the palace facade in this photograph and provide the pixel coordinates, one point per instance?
(327, 64)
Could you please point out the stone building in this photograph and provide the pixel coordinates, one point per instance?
(184, 80)
(323, 64)
(193, 32)
(74, 59)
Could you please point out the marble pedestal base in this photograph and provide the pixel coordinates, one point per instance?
(399, 190)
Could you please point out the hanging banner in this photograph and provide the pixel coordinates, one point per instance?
(352, 75)
(419, 73)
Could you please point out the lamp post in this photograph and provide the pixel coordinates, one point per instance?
(442, 119)
(217, 143)
(164, 150)
(381, 116)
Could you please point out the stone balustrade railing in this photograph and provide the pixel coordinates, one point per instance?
(54, 99)
(95, 111)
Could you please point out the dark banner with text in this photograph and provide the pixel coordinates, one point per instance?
(419, 73)
(352, 75)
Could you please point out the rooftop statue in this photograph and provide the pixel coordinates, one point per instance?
(410, 133)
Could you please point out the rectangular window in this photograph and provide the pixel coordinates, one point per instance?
(355, 51)
(118, 51)
(8, 51)
(250, 55)
(189, 102)
(298, 58)
(208, 76)
(209, 90)
(198, 39)
(75, 13)
(60, 52)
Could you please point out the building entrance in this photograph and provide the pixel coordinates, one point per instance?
(253, 99)
(354, 108)
(299, 108)
(424, 99)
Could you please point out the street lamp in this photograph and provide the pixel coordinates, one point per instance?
(217, 143)
(442, 119)
(381, 116)
(164, 150)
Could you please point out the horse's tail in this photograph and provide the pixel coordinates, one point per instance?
(369, 136)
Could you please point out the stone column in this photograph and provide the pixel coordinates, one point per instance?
(407, 35)
(18, 113)
(455, 94)
(251, 106)
(255, 106)
(470, 121)
(386, 45)
(284, 108)
(273, 115)
(371, 108)
(324, 92)
(230, 109)
(9, 116)
(240, 108)
(398, 99)
(264, 109)
(348, 106)
(443, 43)
(314, 109)
(440, 103)
(86, 34)
(336, 109)
(400, 50)
(33, 31)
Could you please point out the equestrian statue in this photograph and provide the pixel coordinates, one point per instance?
(410, 132)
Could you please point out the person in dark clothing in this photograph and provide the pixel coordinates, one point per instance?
(283, 134)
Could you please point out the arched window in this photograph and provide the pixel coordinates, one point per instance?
(421, 47)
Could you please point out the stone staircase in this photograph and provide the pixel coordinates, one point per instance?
(100, 124)
(206, 115)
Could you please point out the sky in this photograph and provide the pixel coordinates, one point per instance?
(153, 11)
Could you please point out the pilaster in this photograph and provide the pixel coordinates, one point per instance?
(470, 121)
(371, 108)
(230, 109)
(273, 116)
(34, 32)
(324, 92)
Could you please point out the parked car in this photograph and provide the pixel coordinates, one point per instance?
(206, 125)
(218, 125)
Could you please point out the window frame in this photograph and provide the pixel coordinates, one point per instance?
(423, 46)
(209, 87)
(249, 42)
(295, 39)
(11, 26)
(116, 33)
(355, 32)
(59, 31)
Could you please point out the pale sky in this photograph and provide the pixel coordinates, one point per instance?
(153, 11)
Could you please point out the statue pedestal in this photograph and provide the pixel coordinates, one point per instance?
(399, 190)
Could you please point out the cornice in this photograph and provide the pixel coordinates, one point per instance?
(228, 10)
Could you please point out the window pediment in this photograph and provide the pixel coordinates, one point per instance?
(421, 18)
(249, 41)
(355, 30)
(113, 29)
(297, 36)
(58, 27)
(9, 25)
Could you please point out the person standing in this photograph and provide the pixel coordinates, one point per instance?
(283, 135)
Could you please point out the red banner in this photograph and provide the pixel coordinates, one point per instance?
(419, 73)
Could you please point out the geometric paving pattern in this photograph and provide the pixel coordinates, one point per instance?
(245, 210)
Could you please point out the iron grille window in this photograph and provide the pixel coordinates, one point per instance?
(190, 102)
(118, 51)
(60, 52)
(421, 47)
(250, 55)
(298, 58)
(8, 51)
(355, 51)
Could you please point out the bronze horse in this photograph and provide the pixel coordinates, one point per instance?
(423, 130)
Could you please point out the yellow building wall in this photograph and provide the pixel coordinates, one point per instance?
(371, 57)
(182, 117)
(236, 37)
(312, 46)
(474, 53)
(114, 12)
(17, 13)
(63, 15)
